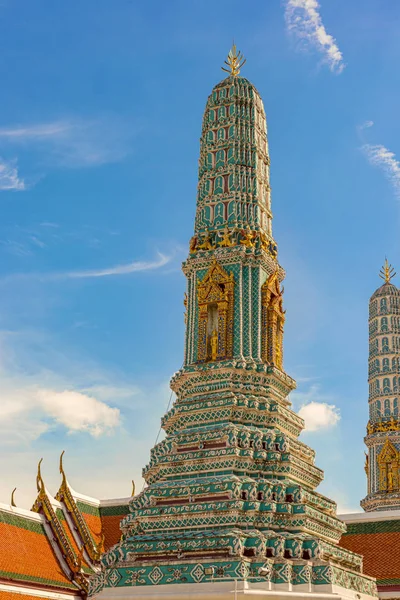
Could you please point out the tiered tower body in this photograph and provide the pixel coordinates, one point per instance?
(383, 430)
(230, 502)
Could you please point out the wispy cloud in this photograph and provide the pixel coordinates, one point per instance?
(35, 131)
(113, 271)
(70, 143)
(9, 177)
(304, 21)
(24, 241)
(124, 269)
(380, 156)
(365, 125)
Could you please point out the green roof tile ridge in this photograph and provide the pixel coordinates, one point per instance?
(22, 522)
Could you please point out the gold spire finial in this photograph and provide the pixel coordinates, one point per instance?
(387, 272)
(12, 497)
(235, 61)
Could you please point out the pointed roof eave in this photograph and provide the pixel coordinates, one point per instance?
(43, 494)
(65, 484)
(67, 496)
(46, 505)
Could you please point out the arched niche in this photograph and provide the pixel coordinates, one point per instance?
(273, 320)
(215, 296)
(388, 463)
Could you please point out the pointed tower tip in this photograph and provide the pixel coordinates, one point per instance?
(387, 272)
(234, 61)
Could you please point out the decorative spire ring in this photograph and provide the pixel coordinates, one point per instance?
(235, 62)
(387, 272)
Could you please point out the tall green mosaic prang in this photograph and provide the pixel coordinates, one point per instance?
(230, 493)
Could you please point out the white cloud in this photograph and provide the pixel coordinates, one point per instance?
(9, 178)
(27, 412)
(55, 398)
(304, 21)
(63, 395)
(316, 408)
(381, 157)
(319, 415)
(78, 412)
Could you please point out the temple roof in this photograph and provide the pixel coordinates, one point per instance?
(376, 535)
(69, 532)
(23, 537)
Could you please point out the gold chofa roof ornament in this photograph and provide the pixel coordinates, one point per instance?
(387, 272)
(235, 62)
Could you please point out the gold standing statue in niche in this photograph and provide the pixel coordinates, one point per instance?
(389, 463)
(390, 478)
(214, 345)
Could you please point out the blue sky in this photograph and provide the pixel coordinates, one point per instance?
(100, 118)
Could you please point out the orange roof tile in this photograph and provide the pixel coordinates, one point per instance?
(9, 595)
(111, 530)
(381, 558)
(94, 524)
(104, 520)
(22, 541)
